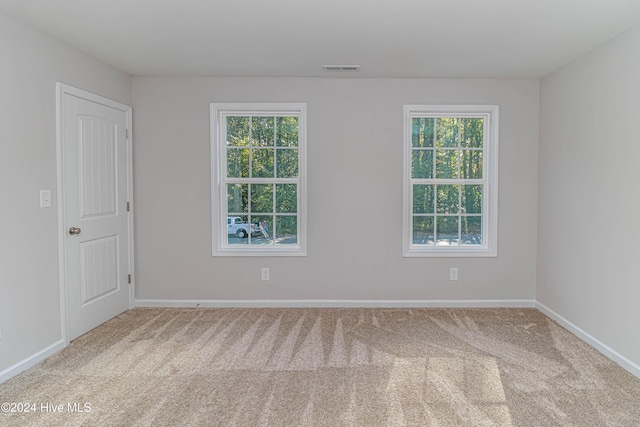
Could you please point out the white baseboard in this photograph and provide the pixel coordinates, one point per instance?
(30, 361)
(336, 303)
(591, 340)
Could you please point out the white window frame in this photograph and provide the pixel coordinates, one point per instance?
(219, 112)
(490, 115)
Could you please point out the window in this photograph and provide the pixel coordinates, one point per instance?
(258, 179)
(450, 180)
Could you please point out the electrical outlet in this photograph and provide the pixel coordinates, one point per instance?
(264, 274)
(453, 273)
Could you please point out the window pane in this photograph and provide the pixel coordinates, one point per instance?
(447, 199)
(287, 131)
(471, 167)
(446, 191)
(422, 164)
(262, 198)
(263, 226)
(237, 162)
(472, 132)
(423, 199)
(262, 129)
(287, 163)
(237, 230)
(422, 132)
(258, 179)
(237, 131)
(262, 163)
(447, 164)
(471, 199)
(423, 230)
(237, 198)
(447, 132)
(447, 231)
(471, 228)
(286, 230)
(286, 198)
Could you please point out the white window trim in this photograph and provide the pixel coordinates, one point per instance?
(218, 201)
(490, 165)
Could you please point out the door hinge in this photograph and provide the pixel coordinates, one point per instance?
(129, 278)
(128, 207)
(126, 133)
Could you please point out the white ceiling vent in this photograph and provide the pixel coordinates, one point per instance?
(340, 68)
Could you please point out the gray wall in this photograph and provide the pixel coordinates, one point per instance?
(589, 200)
(354, 193)
(29, 289)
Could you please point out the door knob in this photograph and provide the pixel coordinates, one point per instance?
(74, 230)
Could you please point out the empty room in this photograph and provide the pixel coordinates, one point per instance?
(338, 213)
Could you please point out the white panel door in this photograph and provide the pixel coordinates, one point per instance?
(96, 219)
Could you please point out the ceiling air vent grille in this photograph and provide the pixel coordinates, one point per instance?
(340, 68)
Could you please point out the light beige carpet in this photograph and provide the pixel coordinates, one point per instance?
(326, 367)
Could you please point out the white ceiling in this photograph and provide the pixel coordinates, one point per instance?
(388, 38)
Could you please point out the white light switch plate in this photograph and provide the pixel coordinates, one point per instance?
(45, 198)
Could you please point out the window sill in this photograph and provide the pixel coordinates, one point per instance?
(271, 252)
(444, 252)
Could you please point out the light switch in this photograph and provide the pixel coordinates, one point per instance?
(45, 198)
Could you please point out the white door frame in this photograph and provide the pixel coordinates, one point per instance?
(61, 91)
